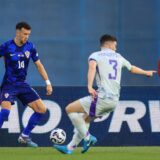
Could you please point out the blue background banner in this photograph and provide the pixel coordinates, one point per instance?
(70, 32)
(135, 121)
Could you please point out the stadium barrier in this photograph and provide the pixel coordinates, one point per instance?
(135, 121)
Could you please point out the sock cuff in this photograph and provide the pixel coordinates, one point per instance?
(5, 111)
(73, 114)
(38, 114)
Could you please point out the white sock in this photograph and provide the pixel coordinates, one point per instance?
(79, 123)
(77, 138)
(23, 135)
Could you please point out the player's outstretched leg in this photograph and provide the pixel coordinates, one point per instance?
(63, 149)
(87, 143)
(27, 140)
(24, 137)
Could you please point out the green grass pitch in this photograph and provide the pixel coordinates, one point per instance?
(95, 153)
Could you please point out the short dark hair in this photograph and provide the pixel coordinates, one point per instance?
(106, 37)
(21, 25)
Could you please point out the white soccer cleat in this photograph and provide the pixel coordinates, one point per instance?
(27, 141)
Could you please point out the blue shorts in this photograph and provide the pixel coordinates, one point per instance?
(23, 91)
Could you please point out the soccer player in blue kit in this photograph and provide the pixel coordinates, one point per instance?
(17, 54)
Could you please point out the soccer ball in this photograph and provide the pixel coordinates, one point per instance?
(58, 136)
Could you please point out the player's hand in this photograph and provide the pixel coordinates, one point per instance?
(92, 92)
(49, 89)
(150, 73)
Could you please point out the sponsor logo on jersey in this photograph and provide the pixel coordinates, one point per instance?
(27, 53)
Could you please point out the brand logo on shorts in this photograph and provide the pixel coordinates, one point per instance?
(6, 95)
(27, 53)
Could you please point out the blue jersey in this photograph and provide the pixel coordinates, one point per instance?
(16, 60)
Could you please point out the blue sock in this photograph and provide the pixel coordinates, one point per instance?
(33, 121)
(4, 115)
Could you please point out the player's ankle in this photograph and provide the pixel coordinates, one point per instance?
(24, 135)
(71, 148)
(87, 136)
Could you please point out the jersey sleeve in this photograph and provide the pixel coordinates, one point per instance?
(93, 57)
(34, 55)
(126, 64)
(2, 50)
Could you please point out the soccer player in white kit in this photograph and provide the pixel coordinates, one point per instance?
(106, 66)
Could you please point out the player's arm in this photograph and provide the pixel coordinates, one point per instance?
(44, 75)
(91, 75)
(137, 70)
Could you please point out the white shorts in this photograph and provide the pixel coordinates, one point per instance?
(98, 106)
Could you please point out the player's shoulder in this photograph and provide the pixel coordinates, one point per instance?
(120, 57)
(94, 56)
(118, 54)
(7, 43)
(30, 45)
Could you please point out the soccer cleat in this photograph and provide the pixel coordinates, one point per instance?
(27, 140)
(63, 149)
(87, 143)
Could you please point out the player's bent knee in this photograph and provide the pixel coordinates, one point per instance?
(68, 109)
(43, 110)
(38, 106)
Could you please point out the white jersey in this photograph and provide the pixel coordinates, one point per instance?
(108, 75)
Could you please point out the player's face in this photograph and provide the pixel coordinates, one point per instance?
(23, 35)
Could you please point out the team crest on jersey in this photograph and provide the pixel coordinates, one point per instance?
(6, 95)
(27, 53)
